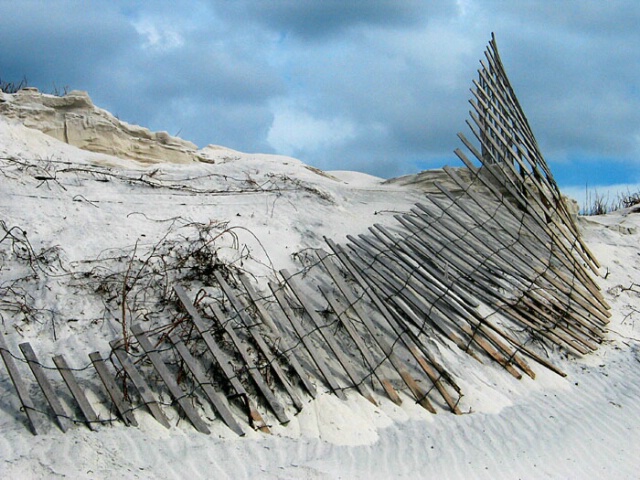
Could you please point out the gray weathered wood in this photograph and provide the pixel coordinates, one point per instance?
(489, 140)
(140, 383)
(408, 223)
(373, 329)
(21, 389)
(402, 333)
(306, 341)
(172, 385)
(62, 416)
(218, 401)
(78, 394)
(283, 344)
(360, 345)
(443, 311)
(251, 367)
(122, 406)
(346, 363)
(579, 292)
(259, 341)
(529, 276)
(534, 272)
(565, 259)
(426, 270)
(223, 361)
(488, 293)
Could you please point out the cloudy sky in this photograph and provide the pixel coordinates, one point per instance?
(379, 86)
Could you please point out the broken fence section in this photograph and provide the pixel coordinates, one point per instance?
(492, 265)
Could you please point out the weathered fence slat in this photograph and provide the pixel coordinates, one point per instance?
(365, 318)
(442, 309)
(565, 231)
(306, 341)
(218, 401)
(125, 412)
(427, 270)
(361, 346)
(392, 277)
(257, 338)
(140, 383)
(531, 154)
(531, 272)
(78, 394)
(222, 360)
(401, 331)
(485, 291)
(21, 389)
(174, 389)
(335, 348)
(535, 229)
(62, 417)
(283, 344)
(252, 368)
(319, 324)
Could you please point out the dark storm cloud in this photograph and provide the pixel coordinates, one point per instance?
(310, 19)
(377, 86)
(59, 42)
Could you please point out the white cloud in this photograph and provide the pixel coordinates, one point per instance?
(295, 130)
(157, 36)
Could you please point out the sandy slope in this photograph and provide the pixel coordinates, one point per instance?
(584, 426)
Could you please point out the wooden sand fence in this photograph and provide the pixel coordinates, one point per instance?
(492, 265)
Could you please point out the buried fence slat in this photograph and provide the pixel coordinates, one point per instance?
(218, 401)
(78, 394)
(222, 360)
(435, 378)
(21, 389)
(329, 339)
(306, 341)
(266, 351)
(362, 347)
(395, 282)
(566, 259)
(262, 346)
(532, 272)
(492, 296)
(112, 389)
(364, 317)
(283, 344)
(252, 368)
(418, 354)
(441, 311)
(399, 329)
(140, 383)
(61, 414)
(174, 389)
